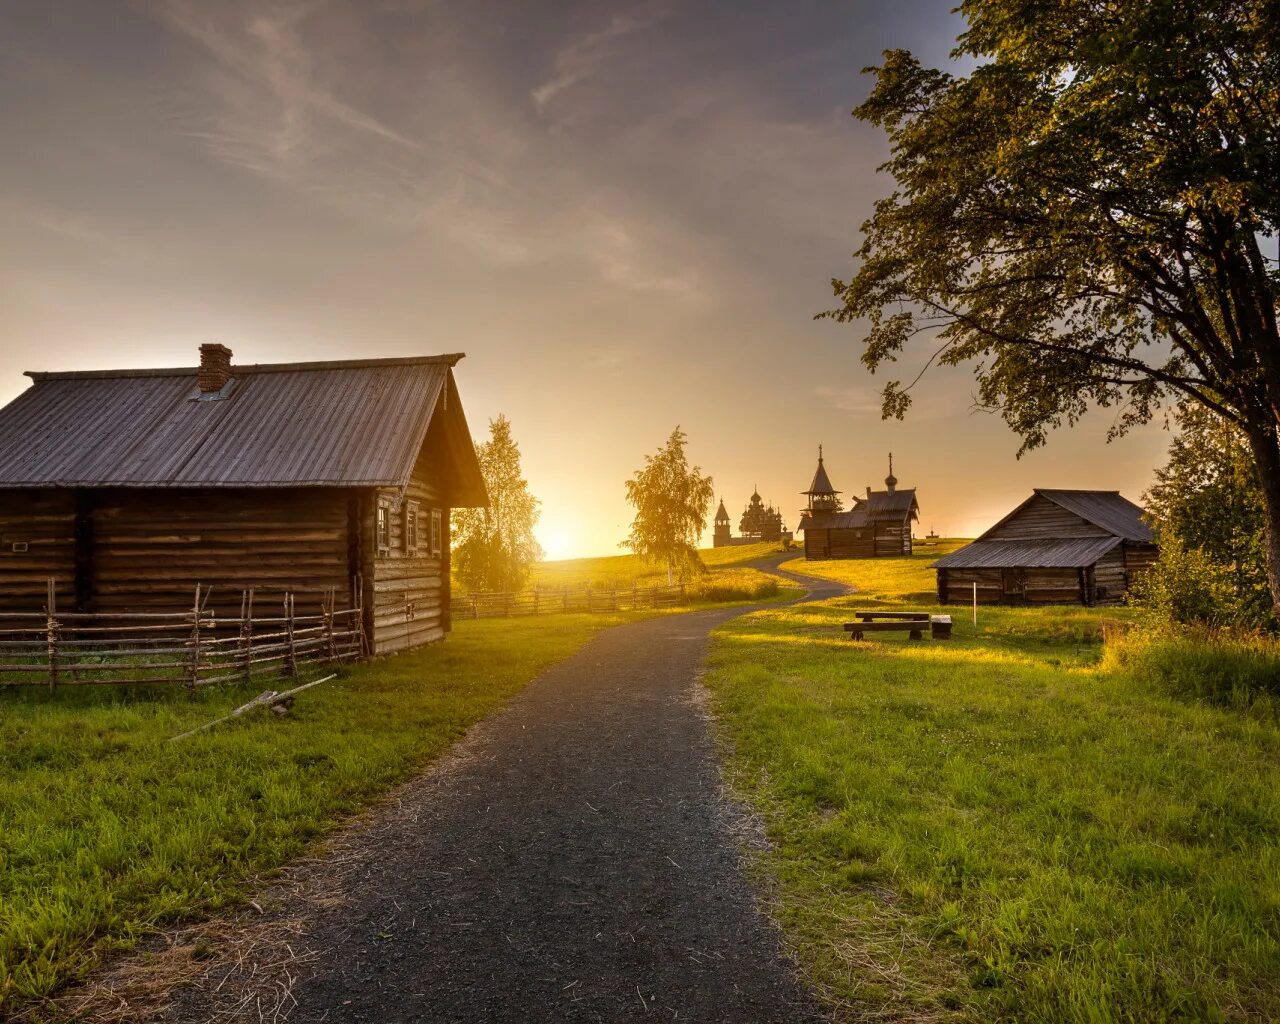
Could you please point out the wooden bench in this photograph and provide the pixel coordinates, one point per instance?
(912, 623)
(857, 629)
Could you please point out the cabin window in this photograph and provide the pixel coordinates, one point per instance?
(437, 533)
(411, 527)
(383, 533)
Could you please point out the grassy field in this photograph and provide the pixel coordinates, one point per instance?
(622, 570)
(107, 831)
(1005, 827)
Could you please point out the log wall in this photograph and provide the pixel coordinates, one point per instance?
(44, 523)
(408, 595)
(150, 548)
(1011, 586)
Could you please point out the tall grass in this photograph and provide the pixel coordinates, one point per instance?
(1220, 666)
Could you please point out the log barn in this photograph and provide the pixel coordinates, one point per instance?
(128, 488)
(1057, 547)
(878, 526)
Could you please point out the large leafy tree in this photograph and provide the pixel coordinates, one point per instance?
(1082, 218)
(494, 546)
(672, 500)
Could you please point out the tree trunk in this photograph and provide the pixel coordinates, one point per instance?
(1265, 445)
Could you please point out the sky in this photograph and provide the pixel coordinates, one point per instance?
(626, 214)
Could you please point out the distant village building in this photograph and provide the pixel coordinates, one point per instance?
(759, 522)
(877, 526)
(1057, 547)
(128, 488)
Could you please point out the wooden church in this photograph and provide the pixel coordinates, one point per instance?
(877, 526)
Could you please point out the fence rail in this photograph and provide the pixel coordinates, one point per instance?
(551, 600)
(194, 647)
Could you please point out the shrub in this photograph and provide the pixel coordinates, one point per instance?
(1200, 663)
(1190, 586)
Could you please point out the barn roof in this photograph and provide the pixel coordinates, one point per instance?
(353, 423)
(891, 504)
(851, 519)
(1108, 510)
(1028, 554)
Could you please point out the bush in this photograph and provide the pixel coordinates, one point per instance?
(1190, 586)
(1200, 663)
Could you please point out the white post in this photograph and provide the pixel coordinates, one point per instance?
(975, 602)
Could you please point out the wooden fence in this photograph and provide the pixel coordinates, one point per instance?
(192, 648)
(551, 600)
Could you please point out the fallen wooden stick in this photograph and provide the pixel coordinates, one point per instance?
(270, 697)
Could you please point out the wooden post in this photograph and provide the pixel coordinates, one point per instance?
(291, 659)
(330, 602)
(193, 663)
(246, 635)
(51, 632)
(975, 602)
(363, 634)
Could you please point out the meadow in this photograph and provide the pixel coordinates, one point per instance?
(108, 831)
(622, 570)
(1012, 825)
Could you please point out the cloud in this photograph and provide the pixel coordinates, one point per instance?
(585, 55)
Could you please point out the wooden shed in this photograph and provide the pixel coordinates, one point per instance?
(1057, 547)
(878, 526)
(130, 487)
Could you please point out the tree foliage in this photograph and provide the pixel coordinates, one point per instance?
(494, 547)
(1209, 514)
(672, 501)
(1081, 218)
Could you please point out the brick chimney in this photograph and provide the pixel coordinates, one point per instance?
(215, 367)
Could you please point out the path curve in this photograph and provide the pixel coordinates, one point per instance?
(572, 860)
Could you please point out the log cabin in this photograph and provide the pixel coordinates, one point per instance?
(1057, 547)
(128, 488)
(878, 526)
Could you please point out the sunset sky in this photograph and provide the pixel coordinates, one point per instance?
(625, 214)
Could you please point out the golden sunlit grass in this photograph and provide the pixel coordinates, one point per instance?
(107, 831)
(623, 570)
(1006, 826)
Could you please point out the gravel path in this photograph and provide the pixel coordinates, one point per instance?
(572, 860)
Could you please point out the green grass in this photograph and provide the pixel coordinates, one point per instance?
(1006, 827)
(107, 831)
(623, 570)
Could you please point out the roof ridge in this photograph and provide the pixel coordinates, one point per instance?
(451, 358)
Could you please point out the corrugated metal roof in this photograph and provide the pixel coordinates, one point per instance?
(1109, 510)
(1028, 554)
(351, 423)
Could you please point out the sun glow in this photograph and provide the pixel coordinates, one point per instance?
(557, 541)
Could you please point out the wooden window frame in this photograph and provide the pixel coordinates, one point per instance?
(382, 528)
(412, 526)
(437, 532)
